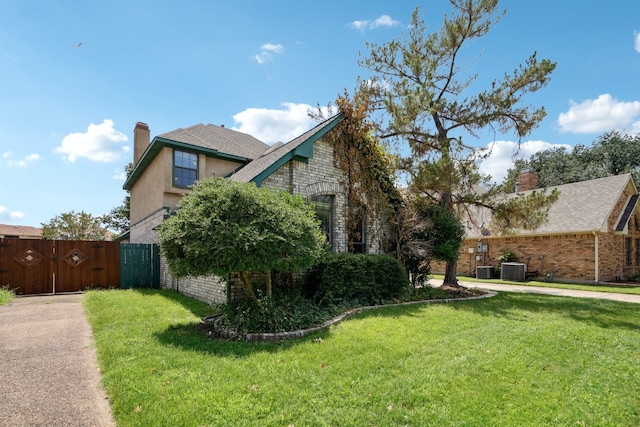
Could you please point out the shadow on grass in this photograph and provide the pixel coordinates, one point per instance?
(595, 312)
(189, 337)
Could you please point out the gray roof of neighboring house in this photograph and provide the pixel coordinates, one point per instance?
(219, 138)
(20, 230)
(300, 148)
(581, 207)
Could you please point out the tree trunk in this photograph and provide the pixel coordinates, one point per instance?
(244, 276)
(268, 283)
(450, 274)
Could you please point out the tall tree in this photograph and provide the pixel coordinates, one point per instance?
(419, 86)
(74, 226)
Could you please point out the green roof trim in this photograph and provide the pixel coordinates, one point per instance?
(302, 152)
(156, 147)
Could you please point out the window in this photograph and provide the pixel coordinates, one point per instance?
(356, 238)
(324, 212)
(627, 250)
(185, 168)
(357, 234)
(637, 252)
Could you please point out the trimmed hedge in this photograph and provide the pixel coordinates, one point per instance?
(367, 279)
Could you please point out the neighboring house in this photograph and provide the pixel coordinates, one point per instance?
(166, 167)
(19, 232)
(592, 233)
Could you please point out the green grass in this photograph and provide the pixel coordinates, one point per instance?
(613, 288)
(6, 295)
(515, 359)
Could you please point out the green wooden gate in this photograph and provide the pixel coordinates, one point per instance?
(139, 265)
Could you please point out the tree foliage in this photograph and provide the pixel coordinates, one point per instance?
(118, 218)
(613, 153)
(74, 226)
(428, 105)
(224, 226)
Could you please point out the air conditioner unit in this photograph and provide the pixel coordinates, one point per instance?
(513, 271)
(484, 272)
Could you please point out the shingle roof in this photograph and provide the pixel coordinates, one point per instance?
(20, 230)
(264, 165)
(581, 207)
(219, 138)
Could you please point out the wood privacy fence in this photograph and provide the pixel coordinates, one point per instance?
(30, 266)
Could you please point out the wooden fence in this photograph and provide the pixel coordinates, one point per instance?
(30, 266)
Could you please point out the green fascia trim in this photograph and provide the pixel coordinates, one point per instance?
(159, 143)
(302, 152)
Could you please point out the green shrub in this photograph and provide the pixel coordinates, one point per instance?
(362, 279)
(277, 313)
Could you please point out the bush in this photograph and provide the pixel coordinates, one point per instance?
(271, 314)
(361, 279)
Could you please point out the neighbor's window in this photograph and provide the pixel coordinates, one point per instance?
(324, 212)
(185, 168)
(637, 252)
(627, 250)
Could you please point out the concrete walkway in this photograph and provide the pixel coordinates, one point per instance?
(49, 374)
(548, 291)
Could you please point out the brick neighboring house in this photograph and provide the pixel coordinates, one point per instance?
(166, 167)
(19, 232)
(592, 233)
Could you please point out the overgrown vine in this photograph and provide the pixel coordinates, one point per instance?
(368, 168)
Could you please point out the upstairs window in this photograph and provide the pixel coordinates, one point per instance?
(185, 168)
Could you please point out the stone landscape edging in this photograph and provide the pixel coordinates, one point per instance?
(278, 336)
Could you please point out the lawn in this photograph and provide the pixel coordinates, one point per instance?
(514, 359)
(5, 295)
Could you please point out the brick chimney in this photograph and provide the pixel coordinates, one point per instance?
(141, 140)
(527, 180)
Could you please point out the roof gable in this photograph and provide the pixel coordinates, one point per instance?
(584, 206)
(300, 148)
(211, 140)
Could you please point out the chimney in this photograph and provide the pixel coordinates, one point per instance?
(141, 140)
(527, 180)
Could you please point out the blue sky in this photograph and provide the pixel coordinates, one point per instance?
(75, 77)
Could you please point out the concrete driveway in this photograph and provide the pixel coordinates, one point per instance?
(49, 374)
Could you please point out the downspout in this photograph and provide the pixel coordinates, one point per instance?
(597, 258)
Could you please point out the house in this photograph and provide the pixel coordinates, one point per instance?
(165, 168)
(592, 233)
(19, 232)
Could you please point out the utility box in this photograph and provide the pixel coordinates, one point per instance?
(484, 272)
(513, 271)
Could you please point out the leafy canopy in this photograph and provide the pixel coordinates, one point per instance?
(74, 226)
(223, 226)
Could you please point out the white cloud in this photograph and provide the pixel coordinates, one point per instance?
(7, 215)
(503, 153)
(600, 115)
(267, 51)
(24, 162)
(637, 41)
(119, 175)
(101, 143)
(381, 21)
(273, 126)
